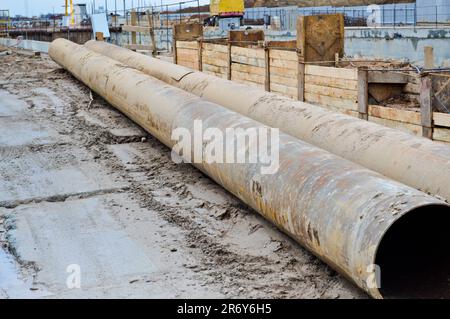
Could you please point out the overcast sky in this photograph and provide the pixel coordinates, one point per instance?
(36, 7)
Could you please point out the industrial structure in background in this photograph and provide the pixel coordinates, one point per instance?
(227, 14)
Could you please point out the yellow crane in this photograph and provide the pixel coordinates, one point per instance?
(72, 14)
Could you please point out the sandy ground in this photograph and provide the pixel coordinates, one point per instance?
(84, 191)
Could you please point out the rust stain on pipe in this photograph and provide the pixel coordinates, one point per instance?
(414, 161)
(337, 209)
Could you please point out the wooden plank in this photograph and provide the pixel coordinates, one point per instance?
(174, 44)
(214, 69)
(332, 101)
(292, 73)
(200, 54)
(215, 47)
(215, 55)
(405, 127)
(426, 107)
(189, 64)
(340, 110)
(152, 32)
(133, 23)
(134, 28)
(141, 47)
(213, 61)
(187, 54)
(387, 77)
(245, 37)
(219, 75)
(441, 119)
(332, 82)
(363, 94)
(283, 63)
(248, 60)
(253, 84)
(339, 73)
(284, 55)
(229, 60)
(187, 45)
(267, 70)
(282, 44)
(247, 52)
(301, 81)
(286, 81)
(332, 92)
(247, 69)
(392, 114)
(283, 89)
(247, 77)
(343, 111)
(188, 31)
(441, 134)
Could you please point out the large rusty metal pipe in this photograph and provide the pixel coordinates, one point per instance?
(347, 215)
(414, 161)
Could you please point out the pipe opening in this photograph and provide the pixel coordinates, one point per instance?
(414, 255)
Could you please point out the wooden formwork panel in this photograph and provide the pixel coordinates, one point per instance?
(329, 86)
(187, 54)
(215, 47)
(338, 73)
(331, 101)
(333, 88)
(392, 114)
(283, 67)
(441, 134)
(283, 55)
(247, 77)
(221, 72)
(215, 59)
(284, 90)
(331, 82)
(250, 56)
(405, 127)
(320, 37)
(193, 45)
(441, 119)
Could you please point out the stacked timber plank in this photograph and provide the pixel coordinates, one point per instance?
(283, 72)
(333, 87)
(187, 54)
(215, 59)
(248, 66)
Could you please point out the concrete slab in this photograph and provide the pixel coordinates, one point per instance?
(113, 121)
(119, 249)
(51, 174)
(10, 105)
(22, 132)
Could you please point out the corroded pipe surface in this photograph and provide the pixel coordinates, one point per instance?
(414, 161)
(347, 215)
